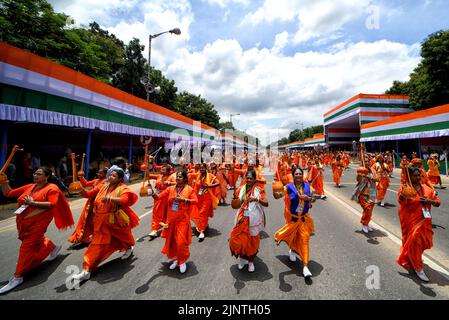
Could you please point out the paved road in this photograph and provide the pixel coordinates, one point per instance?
(343, 260)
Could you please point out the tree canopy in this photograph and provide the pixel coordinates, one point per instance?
(428, 86)
(33, 25)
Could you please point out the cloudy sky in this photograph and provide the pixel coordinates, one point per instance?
(279, 63)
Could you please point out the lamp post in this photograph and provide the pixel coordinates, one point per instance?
(231, 115)
(146, 81)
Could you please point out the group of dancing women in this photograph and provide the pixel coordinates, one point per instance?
(190, 193)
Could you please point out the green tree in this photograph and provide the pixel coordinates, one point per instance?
(130, 74)
(226, 126)
(429, 82)
(399, 87)
(167, 96)
(197, 108)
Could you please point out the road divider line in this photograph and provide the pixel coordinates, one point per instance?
(426, 258)
(146, 213)
(7, 228)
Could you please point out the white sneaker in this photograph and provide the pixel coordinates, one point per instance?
(306, 272)
(382, 204)
(291, 255)
(153, 234)
(127, 253)
(370, 229)
(422, 275)
(182, 268)
(13, 282)
(84, 275)
(242, 263)
(173, 265)
(201, 237)
(365, 228)
(52, 256)
(251, 267)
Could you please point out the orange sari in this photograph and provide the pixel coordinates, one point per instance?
(296, 234)
(337, 170)
(416, 230)
(160, 207)
(223, 190)
(85, 226)
(35, 247)
(178, 235)
(382, 186)
(207, 202)
(315, 177)
(241, 243)
(112, 228)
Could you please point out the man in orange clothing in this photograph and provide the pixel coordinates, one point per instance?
(404, 165)
(416, 224)
(383, 173)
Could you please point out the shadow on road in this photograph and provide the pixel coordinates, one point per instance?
(212, 233)
(264, 235)
(372, 236)
(434, 276)
(40, 274)
(296, 269)
(164, 271)
(241, 276)
(113, 270)
(436, 226)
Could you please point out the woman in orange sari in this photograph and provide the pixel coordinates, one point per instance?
(434, 171)
(249, 221)
(113, 221)
(299, 226)
(383, 173)
(85, 227)
(416, 224)
(337, 170)
(39, 203)
(403, 165)
(205, 185)
(220, 173)
(315, 177)
(181, 202)
(160, 207)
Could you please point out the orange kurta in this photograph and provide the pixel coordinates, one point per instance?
(179, 233)
(35, 247)
(434, 171)
(85, 226)
(111, 232)
(241, 243)
(416, 230)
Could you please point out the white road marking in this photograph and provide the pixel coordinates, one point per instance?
(426, 259)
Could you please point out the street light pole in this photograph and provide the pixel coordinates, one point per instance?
(231, 115)
(149, 88)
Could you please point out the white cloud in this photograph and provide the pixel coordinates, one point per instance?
(314, 18)
(259, 84)
(268, 89)
(226, 3)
